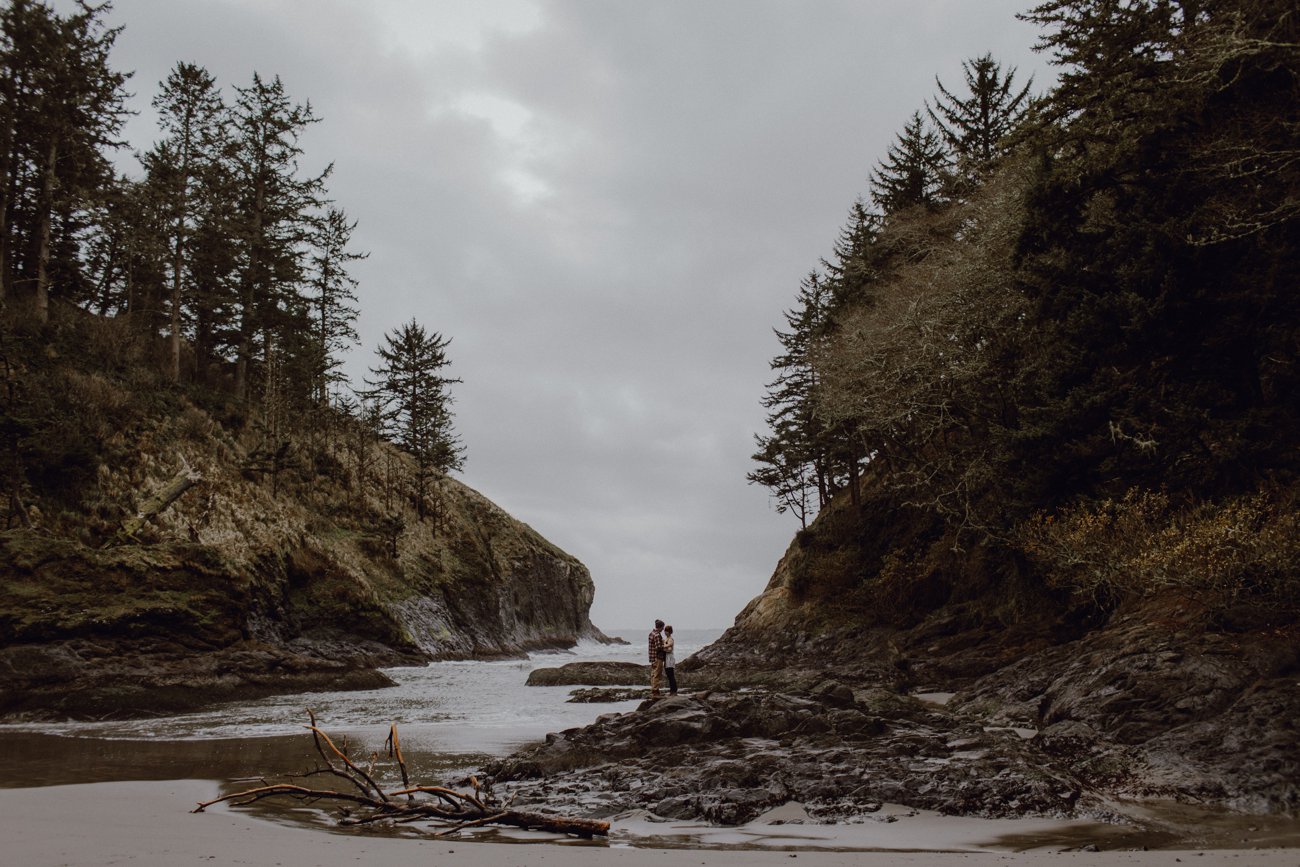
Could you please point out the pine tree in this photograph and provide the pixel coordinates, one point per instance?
(332, 295)
(146, 209)
(416, 402)
(192, 117)
(855, 263)
(793, 457)
(275, 207)
(61, 106)
(914, 171)
(215, 253)
(1163, 221)
(976, 128)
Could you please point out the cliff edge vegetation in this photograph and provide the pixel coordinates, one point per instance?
(258, 578)
(197, 503)
(1050, 372)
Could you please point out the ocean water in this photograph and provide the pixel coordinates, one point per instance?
(470, 709)
(454, 716)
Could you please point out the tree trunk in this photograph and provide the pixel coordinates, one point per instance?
(7, 171)
(174, 368)
(245, 347)
(41, 303)
(178, 259)
(247, 323)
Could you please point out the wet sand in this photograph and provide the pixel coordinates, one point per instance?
(94, 801)
(148, 823)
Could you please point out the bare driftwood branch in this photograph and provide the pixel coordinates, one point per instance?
(395, 751)
(438, 804)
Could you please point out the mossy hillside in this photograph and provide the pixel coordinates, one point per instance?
(327, 542)
(56, 589)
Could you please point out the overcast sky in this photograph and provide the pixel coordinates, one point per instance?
(606, 205)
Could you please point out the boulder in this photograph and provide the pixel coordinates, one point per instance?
(591, 674)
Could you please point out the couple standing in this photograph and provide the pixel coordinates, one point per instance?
(662, 659)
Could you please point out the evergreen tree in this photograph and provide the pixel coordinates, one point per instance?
(976, 128)
(275, 207)
(784, 471)
(61, 106)
(192, 117)
(106, 251)
(914, 171)
(215, 254)
(332, 296)
(856, 262)
(147, 211)
(414, 394)
(793, 456)
(1162, 225)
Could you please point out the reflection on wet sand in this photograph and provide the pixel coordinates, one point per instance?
(38, 760)
(28, 759)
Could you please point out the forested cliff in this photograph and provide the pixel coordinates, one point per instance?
(303, 572)
(1053, 356)
(197, 504)
(1039, 413)
(1038, 416)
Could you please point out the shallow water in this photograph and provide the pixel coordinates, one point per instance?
(454, 716)
(451, 716)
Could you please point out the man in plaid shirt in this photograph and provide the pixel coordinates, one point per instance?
(656, 652)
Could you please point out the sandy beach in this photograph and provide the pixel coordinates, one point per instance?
(149, 823)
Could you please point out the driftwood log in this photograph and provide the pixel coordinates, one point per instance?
(156, 502)
(370, 803)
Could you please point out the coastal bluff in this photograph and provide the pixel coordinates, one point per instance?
(248, 585)
(956, 693)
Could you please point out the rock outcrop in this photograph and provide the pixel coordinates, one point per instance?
(965, 705)
(243, 588)
(591, 674)
(727, 756)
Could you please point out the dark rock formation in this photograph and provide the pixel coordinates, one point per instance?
(1033, 710)
(1161, 704)
(101, 678)
(726, 757)
(606, 695)
(591, 674)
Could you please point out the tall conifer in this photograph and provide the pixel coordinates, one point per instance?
(415, 400)
(332, 297)
(61, 107)
(913, 172)
(975, 127)
(192, 119)
(275, 207)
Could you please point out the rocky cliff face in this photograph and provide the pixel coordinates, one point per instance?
(1170, 721)
(1163, 695)
(248, 586)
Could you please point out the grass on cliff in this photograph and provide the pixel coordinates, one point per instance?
(303, 515)
(880, 562)
(1243, 548)
(52, 589)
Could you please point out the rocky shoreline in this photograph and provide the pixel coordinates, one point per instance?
(726, 757)
(1158, 704)
(139, 630)
(98, 679)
